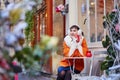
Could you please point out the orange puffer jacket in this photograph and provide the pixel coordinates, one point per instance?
(79, 63)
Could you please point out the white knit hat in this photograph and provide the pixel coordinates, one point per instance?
(80, 31)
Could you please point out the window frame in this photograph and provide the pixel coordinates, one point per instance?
(96, 43)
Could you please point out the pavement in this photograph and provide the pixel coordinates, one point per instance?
(36, 77)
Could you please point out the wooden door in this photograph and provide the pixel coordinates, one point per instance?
(43, 26)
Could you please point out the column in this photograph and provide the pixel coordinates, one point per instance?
(49, 21)
(73, 13)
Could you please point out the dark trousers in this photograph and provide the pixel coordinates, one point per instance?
(65, 76)
(65, 73)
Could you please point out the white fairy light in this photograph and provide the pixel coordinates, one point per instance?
(11, 37)
(20, 26)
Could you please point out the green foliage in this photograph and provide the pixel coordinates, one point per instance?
(105, 24)
(111, 19)
(106, 42)
(29, 29)
(38, 55)
(111, 51)
(15, 15)
(111, 54)
(30, 56)
(25, 56)
(107, 63)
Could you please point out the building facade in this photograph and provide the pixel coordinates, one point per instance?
(88, 14)
(48, 22)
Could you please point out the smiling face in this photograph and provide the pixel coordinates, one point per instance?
(74, 30)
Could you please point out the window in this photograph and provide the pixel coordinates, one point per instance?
(96, 10)
(92, 21)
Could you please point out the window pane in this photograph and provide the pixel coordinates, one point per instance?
(109, 6)
(82, 6)
(92, 20)
(100, 14)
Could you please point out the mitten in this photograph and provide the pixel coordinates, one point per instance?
(73, 47)
(68, 40)
(80, 50)
(79, 46)
(80, 42)
(78, 38)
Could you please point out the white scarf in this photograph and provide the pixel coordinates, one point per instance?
(71, 43)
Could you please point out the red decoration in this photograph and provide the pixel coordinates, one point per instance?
(88, 54)
(57, 9)
(60, 8)
(16, 74)
(4, 64)
(78, 38)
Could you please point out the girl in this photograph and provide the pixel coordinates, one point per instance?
(74, 45)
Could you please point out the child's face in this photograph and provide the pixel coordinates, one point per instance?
(73, 32)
